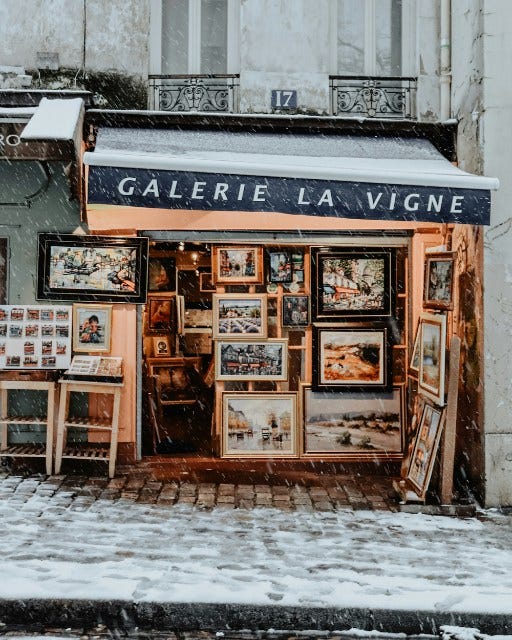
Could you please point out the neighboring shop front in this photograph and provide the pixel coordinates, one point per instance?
(287, 277)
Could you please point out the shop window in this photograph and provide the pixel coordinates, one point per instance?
(374, 37)
(191, 37)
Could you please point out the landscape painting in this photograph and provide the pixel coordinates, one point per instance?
(349, 283)
(233, 265)
(432, 356)
(259, 424)
(239, 315)
(350, 357)
(349, 423)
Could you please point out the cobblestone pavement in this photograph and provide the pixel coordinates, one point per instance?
(80, 492)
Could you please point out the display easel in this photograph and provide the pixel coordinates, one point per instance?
(27, 381)
(90, 375)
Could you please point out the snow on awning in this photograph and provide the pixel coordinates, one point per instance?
(399, 179)
(57, 119)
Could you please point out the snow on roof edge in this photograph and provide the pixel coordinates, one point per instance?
(54, 119)
(441, 174)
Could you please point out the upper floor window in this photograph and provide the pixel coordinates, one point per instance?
(374, 37)
(194, 37)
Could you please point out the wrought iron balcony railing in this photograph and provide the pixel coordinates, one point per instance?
(215, 93)
(373, 97)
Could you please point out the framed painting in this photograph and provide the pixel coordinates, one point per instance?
(161, 347)
(351, 283)
(432, 356)
(414, 365)
(351, 356)
(425, 448)
(161, 274)
(438, 289)
(295, 311)
(353, 424)
(239, 315)
(279, 266)
(92, 327)
(237, 265)
(259, 425)
(160, 314)
(206, 283)
(265, 360)
(92, 268)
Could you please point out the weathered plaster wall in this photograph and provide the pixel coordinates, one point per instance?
(283, 49)
(496, 134)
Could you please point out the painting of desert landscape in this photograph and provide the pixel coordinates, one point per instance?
(259, 424)
(351, 357)
(337, 422)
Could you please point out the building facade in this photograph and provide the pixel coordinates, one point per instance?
(379, 68)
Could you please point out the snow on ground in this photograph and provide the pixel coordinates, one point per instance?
(125, 550)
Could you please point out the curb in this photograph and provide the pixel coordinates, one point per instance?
(127, 615)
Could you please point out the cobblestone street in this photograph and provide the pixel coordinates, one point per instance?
(80, 492)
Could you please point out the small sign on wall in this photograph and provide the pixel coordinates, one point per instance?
(283, 99)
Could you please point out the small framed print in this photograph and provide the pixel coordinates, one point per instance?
(432, 351)
(353, 424)
(92, 327)
(280, 266)
(425, 448)
(438, 290)
(237, 265)
(259, 425)
(161, 274)
(264, 360)
(160, 313)
(351, 283)
(295, 311)
(351, 356)
(206, 283)
(161, 347)
(239, 316)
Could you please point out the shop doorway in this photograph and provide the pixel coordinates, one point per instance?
(236, 349)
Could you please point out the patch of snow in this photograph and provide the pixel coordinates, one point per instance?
(54, 119)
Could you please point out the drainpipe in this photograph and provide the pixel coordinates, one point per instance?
(445, 61)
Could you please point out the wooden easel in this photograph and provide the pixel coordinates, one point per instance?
(406, 492)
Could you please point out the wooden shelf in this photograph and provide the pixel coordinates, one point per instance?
(28, 450)
(24, 420)
(24, 451)
(87, 451)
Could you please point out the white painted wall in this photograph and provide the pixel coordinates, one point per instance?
(116, 38)
(496, 135)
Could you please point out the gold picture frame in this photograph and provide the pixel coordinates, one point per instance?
(237, 264)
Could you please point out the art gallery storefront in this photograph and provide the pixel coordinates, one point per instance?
(285, 291)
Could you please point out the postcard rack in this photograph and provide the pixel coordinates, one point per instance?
(35, 381)
(88, 451)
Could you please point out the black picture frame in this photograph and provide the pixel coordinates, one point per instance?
(92, 268)
(352, 283)
(4, 269)
(355, 357)
(161, 275)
